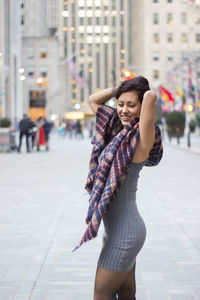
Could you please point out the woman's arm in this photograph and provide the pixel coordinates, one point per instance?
(146, 126)
(101, 97)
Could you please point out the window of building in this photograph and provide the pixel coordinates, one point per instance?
(170, 56)
(22, 20)
(30, 52)
(155, 38)
(81, 21)
(183, 18)
(43, 71)
(169, 37)
(184, 55)
(155, 56)
(89, 3)
(155, 1)
(169, 1)
(155, 74)
(98, 20)
(198, 37)
(90, 21)
(184, 38)
(155, 18)
(169, 18)
(97, 29)
(105, 20)
(43, 52)
(30, 71)
(97, 3)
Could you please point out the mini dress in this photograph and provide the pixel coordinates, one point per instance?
(125, 230)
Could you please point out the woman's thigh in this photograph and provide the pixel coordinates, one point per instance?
(107, 283)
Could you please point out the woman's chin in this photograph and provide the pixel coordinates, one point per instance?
(124, 123)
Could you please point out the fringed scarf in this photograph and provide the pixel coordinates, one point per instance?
(106, 176)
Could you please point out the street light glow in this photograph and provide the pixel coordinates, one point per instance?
(39, 80)
(53, 117)
(21, 70)
(65, 13)
(77, 106)
(190, 107)
(22, 77)
(127, 73)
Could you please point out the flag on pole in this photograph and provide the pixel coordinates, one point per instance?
(191, 91)
(178, 91)
(80, 80)
(166, 95)
(72, 65)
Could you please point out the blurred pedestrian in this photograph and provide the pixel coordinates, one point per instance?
(197, 122)
(47, 129)
(25, 127)
(78, 129)
(91, 128)
(126, 140)
(70, 128)
(41, 140)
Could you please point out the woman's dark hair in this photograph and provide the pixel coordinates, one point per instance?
(138, 84)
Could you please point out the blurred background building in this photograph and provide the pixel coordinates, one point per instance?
(96, 39)
(166, 40)
(40, 57)
(10, 60)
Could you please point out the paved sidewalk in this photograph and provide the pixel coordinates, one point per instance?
(42, 213)
(194, 142)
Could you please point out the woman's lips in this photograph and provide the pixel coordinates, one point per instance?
(125, 119)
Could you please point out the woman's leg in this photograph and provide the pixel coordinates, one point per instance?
(107, 283)
(128, 288)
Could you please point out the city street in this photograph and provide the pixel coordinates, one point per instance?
(43, 206)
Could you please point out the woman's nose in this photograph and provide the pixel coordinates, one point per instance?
(124, 109)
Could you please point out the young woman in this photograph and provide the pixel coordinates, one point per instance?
(126, 139)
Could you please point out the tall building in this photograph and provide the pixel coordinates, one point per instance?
(41, 58)
(96, 47)
(166, 41)
(10, 60)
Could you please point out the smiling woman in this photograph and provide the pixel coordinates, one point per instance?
(128, 107)
(126, 139)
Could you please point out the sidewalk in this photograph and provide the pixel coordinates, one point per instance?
(42, 213)
(194, 143)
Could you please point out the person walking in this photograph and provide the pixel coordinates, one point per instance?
(47, 129)
(78, 129)
(25, 126)
(126, 140)
(41, 140)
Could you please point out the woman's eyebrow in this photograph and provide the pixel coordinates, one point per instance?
(129, 101)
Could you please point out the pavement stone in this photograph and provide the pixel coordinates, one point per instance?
(43, 206)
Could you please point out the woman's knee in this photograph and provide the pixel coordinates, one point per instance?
(126, 294)
(100, 294)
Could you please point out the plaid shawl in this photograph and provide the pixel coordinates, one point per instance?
(106, 176)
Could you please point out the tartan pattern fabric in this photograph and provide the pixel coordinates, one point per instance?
(106, 176)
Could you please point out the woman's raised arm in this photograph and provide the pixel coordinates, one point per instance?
(147, 121)
(101, 97)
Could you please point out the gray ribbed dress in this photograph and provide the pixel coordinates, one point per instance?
(125, 230)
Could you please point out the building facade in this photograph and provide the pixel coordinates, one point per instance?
(41, 58)
(96, 47)
(166, 41)
(11, 105)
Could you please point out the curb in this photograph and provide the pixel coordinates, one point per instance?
(181, 147)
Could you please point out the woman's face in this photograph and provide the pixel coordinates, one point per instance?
(128, 107)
